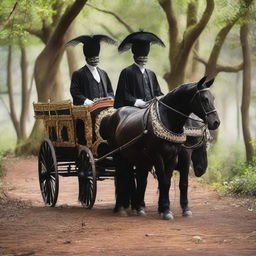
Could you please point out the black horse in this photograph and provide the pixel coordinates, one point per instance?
(154, 136)
(193, 150)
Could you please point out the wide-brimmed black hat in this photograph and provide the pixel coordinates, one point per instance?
(91, 43)
(140, 42)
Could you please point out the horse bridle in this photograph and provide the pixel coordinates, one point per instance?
(206, 113)
(197, 93)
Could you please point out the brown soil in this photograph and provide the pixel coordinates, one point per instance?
(219, 225)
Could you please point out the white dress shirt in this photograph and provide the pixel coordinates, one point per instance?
(142, 69)
(94, 72)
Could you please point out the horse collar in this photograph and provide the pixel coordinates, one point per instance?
(160, 130)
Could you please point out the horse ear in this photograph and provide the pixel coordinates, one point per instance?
(209, 83)
(200, 84)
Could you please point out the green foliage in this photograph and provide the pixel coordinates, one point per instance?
(7, 144)
(244, 183)
(29, 15)
(2, 158)
(220, 158)
(229, 173)
(7, 139)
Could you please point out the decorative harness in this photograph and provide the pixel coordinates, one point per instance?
(162, 132)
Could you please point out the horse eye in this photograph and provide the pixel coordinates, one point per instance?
(205, 100)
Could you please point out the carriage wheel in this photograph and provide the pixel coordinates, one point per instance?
(86, 178)
(48, 173)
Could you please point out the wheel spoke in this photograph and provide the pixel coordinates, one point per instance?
(48, 194)
(48, 173)
(87, 184)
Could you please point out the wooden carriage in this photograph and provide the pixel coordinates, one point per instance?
(72, 147)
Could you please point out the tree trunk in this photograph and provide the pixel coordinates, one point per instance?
(211, 67)
(71, 54)
(246, 93)
(237, 92)
(179, 52)
(192, 11)
(11, 96)
(47, 63)
(24, 92)
(57, 93)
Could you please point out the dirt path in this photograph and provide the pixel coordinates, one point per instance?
(225, 226)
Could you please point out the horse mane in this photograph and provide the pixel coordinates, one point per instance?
(180, 90)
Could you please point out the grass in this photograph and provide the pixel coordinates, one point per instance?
(7, 144)
(228, 172)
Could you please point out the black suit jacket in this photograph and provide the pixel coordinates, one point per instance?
(81, 85)
(130, 86)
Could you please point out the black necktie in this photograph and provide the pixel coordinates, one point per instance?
(147, 91)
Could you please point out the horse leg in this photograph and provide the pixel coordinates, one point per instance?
(164, 170)
(122, 185)
(164, 183)
(132, 189)
(183, 167)
(141, 178)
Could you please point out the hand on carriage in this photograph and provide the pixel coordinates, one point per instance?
(159, 97)
(139, 103)
(88, 102)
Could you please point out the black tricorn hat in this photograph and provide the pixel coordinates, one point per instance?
(140, 42)
(91, 43)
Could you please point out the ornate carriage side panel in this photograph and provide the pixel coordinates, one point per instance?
(98, 137)
(83, 125)
(58, 122)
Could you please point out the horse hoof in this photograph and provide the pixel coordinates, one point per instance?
(141, 212)
(121, 212)
(133, 212)
(167, 215)
(187, 213)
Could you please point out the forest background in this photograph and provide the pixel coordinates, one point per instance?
(202, 37)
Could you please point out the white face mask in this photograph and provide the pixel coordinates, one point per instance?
(141, 60)
(93, 61)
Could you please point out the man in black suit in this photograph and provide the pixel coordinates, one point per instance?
(90, 82)
(136, 86)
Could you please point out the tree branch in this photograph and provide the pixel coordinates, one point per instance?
(5, 105)
(109, 31)
(212, 67)
(118, 18)
(58, 7)
(192, 32)
(37, 33)
(219, 67)
(229, 69)
(71, 12)
(192, 13)
(11, 15)
(173, 25)
(201, 60)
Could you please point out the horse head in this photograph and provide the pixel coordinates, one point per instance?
(200, 160)
(202, 104)
(198, 137)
